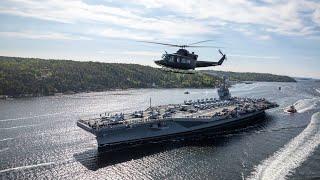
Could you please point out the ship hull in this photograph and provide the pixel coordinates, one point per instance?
(175, 129)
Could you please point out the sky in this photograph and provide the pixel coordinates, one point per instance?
(270, 36)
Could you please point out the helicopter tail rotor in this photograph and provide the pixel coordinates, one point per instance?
(220, 52)
(225, 57)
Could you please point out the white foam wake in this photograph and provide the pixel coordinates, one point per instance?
(22, 118)
(27, 167)
(17, 127)
(6, 139)
(4, 149)
(318, 90)
(292, 155)
(37, 165)
(304, 105)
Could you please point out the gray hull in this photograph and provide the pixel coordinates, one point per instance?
(171, 128)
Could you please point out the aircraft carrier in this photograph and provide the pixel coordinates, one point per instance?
(193, 117)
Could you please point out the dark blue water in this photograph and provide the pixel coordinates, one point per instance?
(40, 140)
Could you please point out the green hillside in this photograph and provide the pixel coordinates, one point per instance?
(37, 77)
(33, 77)
(248, 76)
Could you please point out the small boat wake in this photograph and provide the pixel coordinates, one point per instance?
(5, 149)
(6, 139)
(304, 105)
(18, 127)
(27, 167)
(19, 168)
(31, 117)
(292, 155)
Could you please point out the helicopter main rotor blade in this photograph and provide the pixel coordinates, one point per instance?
(166, 44)
(200, 42)
(204, 46)
(181, 46)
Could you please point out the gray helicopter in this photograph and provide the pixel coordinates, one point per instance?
(184, 60)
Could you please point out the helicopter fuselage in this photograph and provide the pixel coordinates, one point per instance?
(182, 59)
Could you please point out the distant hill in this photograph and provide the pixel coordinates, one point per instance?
(306, 79)
(248, 76)
(36, 77)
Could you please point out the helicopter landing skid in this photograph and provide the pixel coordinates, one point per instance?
(177, 71)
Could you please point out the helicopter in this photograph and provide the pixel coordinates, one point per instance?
(183, 61)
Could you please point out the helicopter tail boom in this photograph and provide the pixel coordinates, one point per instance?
(208, 63)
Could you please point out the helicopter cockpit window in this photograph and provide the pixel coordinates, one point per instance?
(178, 59)
(166, 57)
(171, 59)
(186, 61)
(174, 59)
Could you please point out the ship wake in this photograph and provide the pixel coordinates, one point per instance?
(292, 155)
(304, 105)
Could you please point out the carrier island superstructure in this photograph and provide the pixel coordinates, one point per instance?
(191, 118)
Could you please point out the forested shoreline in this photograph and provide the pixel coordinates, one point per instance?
(250, 76)
(38, 77)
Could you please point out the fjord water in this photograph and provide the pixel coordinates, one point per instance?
(39, 138)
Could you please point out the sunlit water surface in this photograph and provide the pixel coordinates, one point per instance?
(39, 138)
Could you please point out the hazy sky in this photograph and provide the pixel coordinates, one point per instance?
(280, 36)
